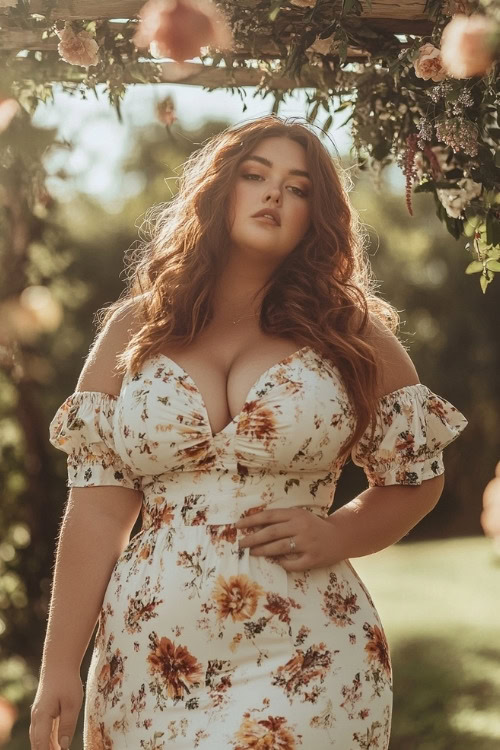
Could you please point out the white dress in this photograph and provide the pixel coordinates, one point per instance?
(199, 644)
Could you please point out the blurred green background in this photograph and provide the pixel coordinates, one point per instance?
(437, 591)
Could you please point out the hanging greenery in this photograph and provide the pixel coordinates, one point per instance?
(409, 97)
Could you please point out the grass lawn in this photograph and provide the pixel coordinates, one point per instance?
(439, 603)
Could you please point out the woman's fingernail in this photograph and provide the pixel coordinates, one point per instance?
(64, 742)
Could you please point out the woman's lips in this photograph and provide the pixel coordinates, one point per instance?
(265, 219)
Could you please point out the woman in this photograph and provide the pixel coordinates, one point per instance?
(248, 361)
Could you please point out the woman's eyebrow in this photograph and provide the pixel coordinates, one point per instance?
(268, 163)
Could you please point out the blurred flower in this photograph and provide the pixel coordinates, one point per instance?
(77, 49)
(25, 317)
(455, 200)
(428, 63)
(459, 133)
(40, 301)
(8, 715)
(490, 516)
(467, 45)
(179, 28)
(8, 109)
(165, 111)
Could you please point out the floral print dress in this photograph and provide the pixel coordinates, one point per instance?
(198, 643)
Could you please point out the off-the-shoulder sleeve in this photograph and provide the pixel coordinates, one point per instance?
(413, 426)
(83, 427)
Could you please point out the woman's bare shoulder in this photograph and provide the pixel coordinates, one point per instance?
(396, 368)
(99, 373)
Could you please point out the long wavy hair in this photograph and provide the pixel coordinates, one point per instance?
(322, 294)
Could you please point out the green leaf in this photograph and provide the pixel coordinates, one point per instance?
(474, 267)
(347, 6)
(314, 112)
(328, 123)
(484, 283)
(275, 9)
(493, 265)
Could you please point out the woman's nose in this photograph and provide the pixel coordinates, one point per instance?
(274, 193)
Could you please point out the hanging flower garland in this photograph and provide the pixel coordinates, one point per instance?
(430, 104)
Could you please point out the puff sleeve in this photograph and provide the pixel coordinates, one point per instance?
(413, 426)
(83, 427)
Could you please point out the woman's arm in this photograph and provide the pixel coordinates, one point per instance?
(95, 529)
(96, 525)
(381, 516)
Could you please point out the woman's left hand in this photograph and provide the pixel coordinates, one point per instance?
(316, 545)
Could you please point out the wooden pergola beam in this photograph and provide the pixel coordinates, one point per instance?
(14, 38)
(204, 75)
(406, 10)
(195, 74)
(389, 17)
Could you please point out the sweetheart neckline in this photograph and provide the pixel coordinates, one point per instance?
(235, 420)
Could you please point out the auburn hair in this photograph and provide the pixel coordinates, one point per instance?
(321, 295)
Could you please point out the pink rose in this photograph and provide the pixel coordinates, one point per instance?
(8, 109)
(180, 28)
(77, 49)
(428, 64)
(465, 47)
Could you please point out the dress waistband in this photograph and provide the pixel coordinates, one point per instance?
(172, 505)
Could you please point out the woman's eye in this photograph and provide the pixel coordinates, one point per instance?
(301, 192)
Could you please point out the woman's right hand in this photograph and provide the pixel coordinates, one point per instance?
(55, 710)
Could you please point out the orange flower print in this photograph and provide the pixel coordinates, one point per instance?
(377, 648)
(141, 608)
(436, 407)
(237, 597)
(277, 605)
(111, 675)
(106, 611)
(302, 669)
(370, 737)
(175, 668)
(265, 734)
(258, 421)
(220, 533)
(339, 601)
(405, 442)
(352, 695)
(96, 735)
(167, 515)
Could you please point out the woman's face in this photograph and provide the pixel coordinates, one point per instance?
(265, 179)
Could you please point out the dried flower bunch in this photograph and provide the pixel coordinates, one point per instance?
(429, 103)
